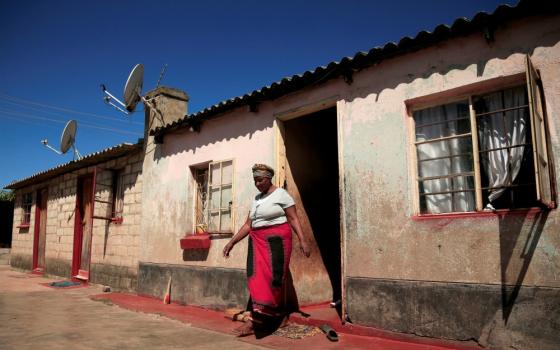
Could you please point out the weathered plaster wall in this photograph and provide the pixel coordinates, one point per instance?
(383, 241)
(168, 200)
(491, 278)
(241, 135)
(114, 259)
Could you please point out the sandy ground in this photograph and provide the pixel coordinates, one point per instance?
(33, 316)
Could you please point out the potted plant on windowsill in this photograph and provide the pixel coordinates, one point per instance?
(200, 239)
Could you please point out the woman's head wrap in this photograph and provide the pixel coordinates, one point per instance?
(262, 170)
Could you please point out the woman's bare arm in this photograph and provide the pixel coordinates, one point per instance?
(242, 233)
(293, 220)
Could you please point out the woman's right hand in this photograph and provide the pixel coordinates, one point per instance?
(227, 249)
(305, 248)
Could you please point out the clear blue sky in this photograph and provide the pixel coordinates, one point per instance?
(57, 53)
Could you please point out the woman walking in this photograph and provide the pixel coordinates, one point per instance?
(268, 224)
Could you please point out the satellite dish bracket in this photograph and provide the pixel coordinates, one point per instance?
(153, 107)
(67, 140)
(77, 155)
(109, 100)
(45, 143)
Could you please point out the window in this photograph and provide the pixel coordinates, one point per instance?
(118, 195)
(484, 152)
(201, 198)
(214, 197)
(27, 202)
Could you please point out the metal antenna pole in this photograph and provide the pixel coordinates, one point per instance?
(163, 69)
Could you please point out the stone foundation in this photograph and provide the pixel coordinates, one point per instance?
(214, 288)
(499, 317)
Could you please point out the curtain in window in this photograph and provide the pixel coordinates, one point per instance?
(442, 121)
(504, 129)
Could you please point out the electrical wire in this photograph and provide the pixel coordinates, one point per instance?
(60, 115)
(29, 122)
(84, 124)
(22, 102)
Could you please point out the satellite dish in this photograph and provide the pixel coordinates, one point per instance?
(67, 140)
(132, 93)
(133, 87)
(68, 136)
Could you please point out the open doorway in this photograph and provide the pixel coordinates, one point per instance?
(40, 232)
(312, 178)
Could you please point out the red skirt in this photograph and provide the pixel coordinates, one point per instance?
(268, 259)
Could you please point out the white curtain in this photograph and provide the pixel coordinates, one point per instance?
(448, 202)
(502, 130)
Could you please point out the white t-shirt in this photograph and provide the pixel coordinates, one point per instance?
(269, 209)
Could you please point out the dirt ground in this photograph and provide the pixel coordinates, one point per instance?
(34, 316)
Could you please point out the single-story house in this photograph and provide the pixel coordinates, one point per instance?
(424, 173)
(81, 219)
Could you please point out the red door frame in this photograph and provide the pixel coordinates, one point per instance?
(38, 201)
(77, 274)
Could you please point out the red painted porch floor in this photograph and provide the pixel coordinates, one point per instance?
(350, 336)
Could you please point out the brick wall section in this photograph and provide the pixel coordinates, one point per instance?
(114, 255)
(22, 238)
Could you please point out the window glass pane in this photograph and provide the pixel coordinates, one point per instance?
(214, 222)
(226, 221)
(201, 182)
(447, 184)
(226, 197)
(445, 166)
(435, 202)
(214, 198)
(442, 121)
(227, 172)
(27, 202)
(436, 149)
(446, 157)
(118, 193)
(215, 174)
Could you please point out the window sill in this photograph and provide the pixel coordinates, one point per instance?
(23, 225)
(215, 235)
(117, 221)
(529, 212)
(196, 241)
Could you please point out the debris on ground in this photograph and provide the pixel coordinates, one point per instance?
(297, 331)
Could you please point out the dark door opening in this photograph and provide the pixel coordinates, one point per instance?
(40, 232)
(312, 178)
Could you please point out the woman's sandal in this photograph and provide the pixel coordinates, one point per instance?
(244, 330)
(285, 322)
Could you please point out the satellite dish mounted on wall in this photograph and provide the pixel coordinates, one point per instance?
(67, 140)
(133, 87)
(132, 92)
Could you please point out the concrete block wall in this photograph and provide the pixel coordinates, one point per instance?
(22, 237)
(114, 255)
(114, 259)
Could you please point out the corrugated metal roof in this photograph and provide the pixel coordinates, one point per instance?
(482, 22)
(87, 160)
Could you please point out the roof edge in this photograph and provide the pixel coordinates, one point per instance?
(480, 22)
(86, 161)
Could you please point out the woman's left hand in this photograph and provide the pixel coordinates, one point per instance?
(304, 248)
(227, 249)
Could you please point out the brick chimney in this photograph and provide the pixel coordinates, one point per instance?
(169, 104)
